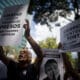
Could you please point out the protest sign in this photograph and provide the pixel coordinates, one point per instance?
(11, 25)
(70, 36)
(52, 65)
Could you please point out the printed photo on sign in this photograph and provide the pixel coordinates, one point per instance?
(52, 66)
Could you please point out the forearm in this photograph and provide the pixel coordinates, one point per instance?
(69, 67)
(67, 63)
(32, 42)
(35, 47)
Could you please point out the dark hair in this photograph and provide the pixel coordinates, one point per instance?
(50, 61)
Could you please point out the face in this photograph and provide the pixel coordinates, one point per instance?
(55, 68)
(51, 70)
(24, 56)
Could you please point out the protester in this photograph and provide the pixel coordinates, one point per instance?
(23, 69)
(70, 73)
(52, 71)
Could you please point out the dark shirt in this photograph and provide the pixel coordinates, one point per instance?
(16, 73)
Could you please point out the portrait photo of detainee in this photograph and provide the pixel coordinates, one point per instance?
(51, 70)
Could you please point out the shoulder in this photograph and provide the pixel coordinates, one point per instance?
(2, 65)
(3, 70)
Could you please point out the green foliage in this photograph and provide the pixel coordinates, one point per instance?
(48, 43)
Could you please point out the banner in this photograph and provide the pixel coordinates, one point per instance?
(70, 36)
(11, 25)
(52, 65)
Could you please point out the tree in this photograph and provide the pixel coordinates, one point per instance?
(48, 43)
(48, 10)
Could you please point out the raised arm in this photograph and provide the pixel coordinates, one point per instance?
(34, 45)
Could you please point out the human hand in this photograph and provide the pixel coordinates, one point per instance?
(27, 29)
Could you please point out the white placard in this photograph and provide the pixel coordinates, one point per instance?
(11, 27)
(70, 36)
(53, 64)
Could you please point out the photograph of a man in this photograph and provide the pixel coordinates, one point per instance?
(51, 70)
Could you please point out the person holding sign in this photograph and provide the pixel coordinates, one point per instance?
(23, 69)
(70, 73)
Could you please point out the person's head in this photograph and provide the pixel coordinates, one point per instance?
(24, 56)
(51, 68)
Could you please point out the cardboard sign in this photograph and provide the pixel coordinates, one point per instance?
(70, 36)
(52, 65)
(11, 26)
